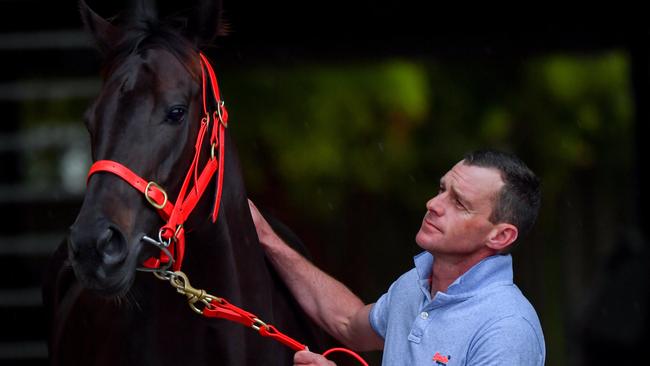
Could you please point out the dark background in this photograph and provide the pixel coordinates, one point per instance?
(585, 266)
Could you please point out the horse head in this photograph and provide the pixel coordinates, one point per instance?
(146, 117)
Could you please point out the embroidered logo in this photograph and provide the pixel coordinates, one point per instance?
(440, 359)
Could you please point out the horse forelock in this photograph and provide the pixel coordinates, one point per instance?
(147, 34)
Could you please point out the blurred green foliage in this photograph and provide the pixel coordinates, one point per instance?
(330, 127)
(376, 127)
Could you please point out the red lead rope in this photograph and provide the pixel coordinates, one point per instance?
(220, 308)
(216, 307)
(176, 214)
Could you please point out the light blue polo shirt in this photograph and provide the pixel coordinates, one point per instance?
(482, 319)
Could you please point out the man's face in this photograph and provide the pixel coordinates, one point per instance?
(457, 219)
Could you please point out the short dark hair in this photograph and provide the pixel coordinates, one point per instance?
(519, 200)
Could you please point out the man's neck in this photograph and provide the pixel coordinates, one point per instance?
(446, 269)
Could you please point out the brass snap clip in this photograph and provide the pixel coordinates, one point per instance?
(182, 284)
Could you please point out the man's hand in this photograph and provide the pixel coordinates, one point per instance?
(265, 233)
(306, 358)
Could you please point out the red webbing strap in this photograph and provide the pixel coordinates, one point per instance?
(221, 308)
(346, 351)
(186, 202)
(225, 310)
(135, 181)
(213, 81)
(222, 144)
(194, 196)
(220, 118)
(271, 332)
(152, 262)
(177, 217)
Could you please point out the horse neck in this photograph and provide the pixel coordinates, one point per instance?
(230, 246)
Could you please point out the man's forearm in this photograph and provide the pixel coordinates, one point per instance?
(327, 301)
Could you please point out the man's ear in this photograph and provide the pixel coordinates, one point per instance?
(502, 236)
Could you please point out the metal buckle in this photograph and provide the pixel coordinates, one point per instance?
(220, 104)
(162, 272)
(259, 324)
(153, 203)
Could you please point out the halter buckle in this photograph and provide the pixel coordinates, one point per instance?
(221, 114)
(151, 200)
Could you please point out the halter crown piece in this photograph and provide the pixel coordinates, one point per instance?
(172, 233)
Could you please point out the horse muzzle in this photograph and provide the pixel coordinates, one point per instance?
(98, 253)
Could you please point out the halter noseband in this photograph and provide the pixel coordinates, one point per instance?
(172, 235)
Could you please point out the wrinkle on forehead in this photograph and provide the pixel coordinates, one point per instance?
(475, 183)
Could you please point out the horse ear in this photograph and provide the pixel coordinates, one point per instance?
(205, 22)
(143, 11)
(104, 33)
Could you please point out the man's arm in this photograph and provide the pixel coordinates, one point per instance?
(327, 301)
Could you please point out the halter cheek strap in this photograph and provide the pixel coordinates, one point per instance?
(176, 214)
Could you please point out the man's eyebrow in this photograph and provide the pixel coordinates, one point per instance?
(455, 193)
(461, 198)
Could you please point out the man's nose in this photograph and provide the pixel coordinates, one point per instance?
(435, 205)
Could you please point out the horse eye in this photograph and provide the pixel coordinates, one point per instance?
(176, 114)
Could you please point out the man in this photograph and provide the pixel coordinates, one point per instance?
(458, 306)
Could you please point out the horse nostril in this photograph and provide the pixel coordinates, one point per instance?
(112, 246)
(105, 239)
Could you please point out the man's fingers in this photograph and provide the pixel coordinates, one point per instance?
(304, 358)
(258, 219)
(252, 208)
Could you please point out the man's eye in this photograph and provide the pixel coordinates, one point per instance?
(460, 205)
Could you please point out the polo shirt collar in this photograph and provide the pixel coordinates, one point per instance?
(493, 270)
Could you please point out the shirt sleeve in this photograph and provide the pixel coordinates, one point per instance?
(379, 313)
(377, 316)
(508, 341)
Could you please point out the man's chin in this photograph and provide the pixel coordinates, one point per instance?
(424, 241)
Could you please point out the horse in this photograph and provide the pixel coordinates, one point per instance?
(151, 117)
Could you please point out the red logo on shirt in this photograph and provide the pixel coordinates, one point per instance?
(440, 359)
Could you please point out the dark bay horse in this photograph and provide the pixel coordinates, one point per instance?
(147, 117)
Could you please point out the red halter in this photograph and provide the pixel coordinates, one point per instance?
(175, 215)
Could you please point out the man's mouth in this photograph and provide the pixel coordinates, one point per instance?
(430, 224)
